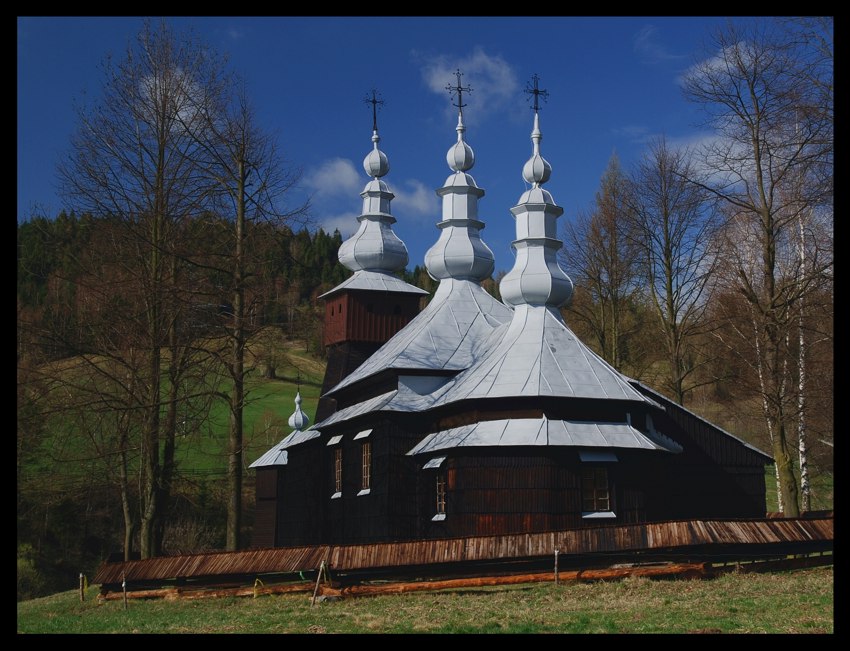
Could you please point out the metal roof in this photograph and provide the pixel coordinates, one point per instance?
(277, 456)
(543, 431)
(365, 407)
(444, 336)
(663, 399)
(375, 281)
(538, 355)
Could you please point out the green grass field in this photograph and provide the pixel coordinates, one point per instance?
(823, 490)
(783, 602)
(68, 453)
(268, 406)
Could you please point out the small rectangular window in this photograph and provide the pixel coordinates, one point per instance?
(338, 470)
(366, 476)
(595, 495)
(441, 494)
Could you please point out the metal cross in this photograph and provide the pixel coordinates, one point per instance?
(536, 92)
(460, 90)
(375, 102)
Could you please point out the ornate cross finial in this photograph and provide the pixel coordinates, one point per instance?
(536, 92)
(460, 90)
(375, 102)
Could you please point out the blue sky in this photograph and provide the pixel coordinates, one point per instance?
(612, 83)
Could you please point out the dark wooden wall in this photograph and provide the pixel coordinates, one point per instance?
(265, 512)
(505, 490)
(491, 492)
(299, 506)
(357, 323)
(501, 490)
(358, 315)
(389, 511)
(716, 475)
(495, 491)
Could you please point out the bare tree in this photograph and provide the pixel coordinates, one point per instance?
(753, 91)
(672, 221)
(602, 257)
(812, 38)
(132, 159)
(248, 185)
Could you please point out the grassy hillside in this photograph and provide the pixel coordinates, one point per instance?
(269, 404)
(784, 602)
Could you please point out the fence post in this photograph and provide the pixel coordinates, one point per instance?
(556, 567)
(82, 587)
(318, 579)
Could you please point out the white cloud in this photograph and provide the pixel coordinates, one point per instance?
(334, 177)
(235, 33)
(693, 141)
(633, 133)
(648, 47)
(493, 80)
(346, 223)
(643, 135)
(419, 201)
(717, 64)
(337, 186)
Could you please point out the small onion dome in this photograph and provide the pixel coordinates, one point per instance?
(299, 420)
(537, 169)
(376, 162)
(460, 156)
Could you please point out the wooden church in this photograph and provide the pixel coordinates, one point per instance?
(474, 416)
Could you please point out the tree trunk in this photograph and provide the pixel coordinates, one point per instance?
(237, 396)
(776, 414)
(771, 327)
(149, 498)
(129, 524)
(805, 488)
(785, 470)
(769, 422)
(150, 469)
(169, 430)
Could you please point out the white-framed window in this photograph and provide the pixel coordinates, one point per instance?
(337, 473)
(441, 486)
(596, 493)
(366, 468)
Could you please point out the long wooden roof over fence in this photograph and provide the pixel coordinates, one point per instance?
(602, 539)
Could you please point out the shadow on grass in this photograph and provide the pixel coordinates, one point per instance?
(294, 380)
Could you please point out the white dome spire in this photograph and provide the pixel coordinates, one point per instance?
(299, 420)
(460, 156)
(537, 169)
(460, 252)
(376, 162)
(375, 247)
(536, 277)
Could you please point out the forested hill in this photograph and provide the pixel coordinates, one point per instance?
(293, 267)
(54, 274)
